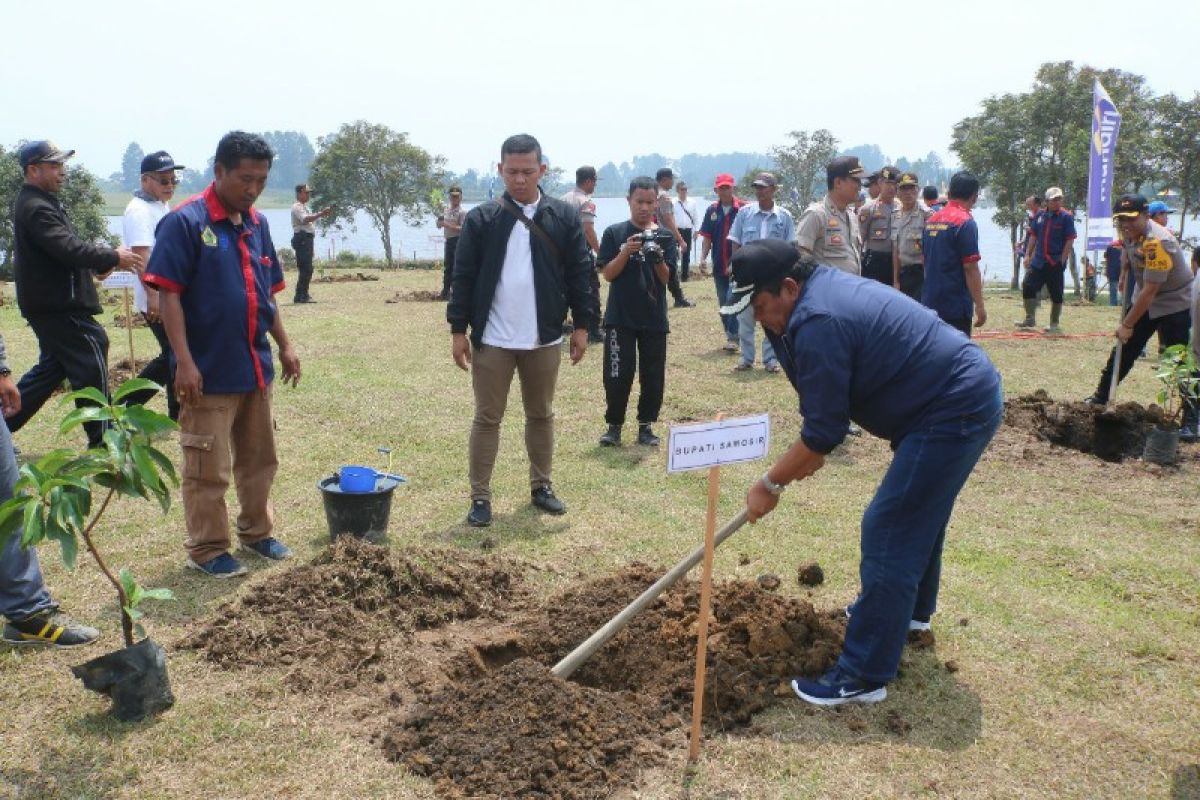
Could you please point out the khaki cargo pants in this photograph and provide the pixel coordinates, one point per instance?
(211, 429)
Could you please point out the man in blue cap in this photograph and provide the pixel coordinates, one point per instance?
(859, 350)
(56, 291)
(1161, 213)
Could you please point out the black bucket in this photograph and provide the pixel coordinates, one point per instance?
(363, 515)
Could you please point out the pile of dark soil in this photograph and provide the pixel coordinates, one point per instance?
(135, 319)
(756, 641)
(1112, 436)
(463, 656)
(521, 732)
(122, 371)
(331, 619)
(345, 277)
(417, 296)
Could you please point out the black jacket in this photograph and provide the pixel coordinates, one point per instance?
(480, 257)
(54, 267)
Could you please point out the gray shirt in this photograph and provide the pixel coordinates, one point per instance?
(299, 212)
(875, 221)
(907, 227)
(1158, 258)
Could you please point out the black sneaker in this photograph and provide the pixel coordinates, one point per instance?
(480, 515)
(595, 337)
(543, 497)
(1094, 400)
(835, 689)
(611, 437)
(49, 628)
(646, 436)
(683, 302)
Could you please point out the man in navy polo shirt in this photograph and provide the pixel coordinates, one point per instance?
(859, 350)
(1051, 236)
(951, 247)
(215, 265)
(718, 220)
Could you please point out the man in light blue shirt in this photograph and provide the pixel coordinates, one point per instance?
(761, 220)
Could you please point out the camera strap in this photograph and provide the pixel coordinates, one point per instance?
(533, 227)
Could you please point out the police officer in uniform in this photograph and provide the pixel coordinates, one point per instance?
(580, 198)
(1162, 301)
(908, 266)
(875, 220)
(827, 232)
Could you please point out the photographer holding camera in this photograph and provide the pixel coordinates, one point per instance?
(634, 257)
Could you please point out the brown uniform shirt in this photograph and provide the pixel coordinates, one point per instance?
(875, 220)
(1158, 258)
(907, 227)
(830, 236)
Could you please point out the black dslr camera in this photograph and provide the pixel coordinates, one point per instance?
(651, 250)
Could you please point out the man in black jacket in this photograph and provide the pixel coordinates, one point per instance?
(521, 261)
(55, 271)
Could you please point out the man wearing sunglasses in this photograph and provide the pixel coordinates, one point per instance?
(148, 205)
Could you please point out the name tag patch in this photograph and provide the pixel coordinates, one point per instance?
(1157, 258)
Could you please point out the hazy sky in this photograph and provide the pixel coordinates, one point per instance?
(593, 81)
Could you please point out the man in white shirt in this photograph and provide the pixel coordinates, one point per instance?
(522, 260)
(148, 205)
(687, 219)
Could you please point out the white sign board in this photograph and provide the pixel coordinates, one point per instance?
(711, 444)
(120, 279)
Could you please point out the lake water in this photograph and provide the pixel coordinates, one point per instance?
(425, 241)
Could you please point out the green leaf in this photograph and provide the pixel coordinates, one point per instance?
(12, 512)
(158, 594)
(133, 613)
(87, 393)
(147, 467)
(128, 582)
(139, 631)
(150, 423)
(134, 385)
(66, 541)
(35, 526)
(81, 415)
(164, 464)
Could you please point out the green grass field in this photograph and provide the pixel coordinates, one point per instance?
(1069, 601)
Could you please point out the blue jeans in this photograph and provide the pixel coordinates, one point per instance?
(729, 323)
(746, 331)
(22, 591)
(903, 530)
(1113, 297)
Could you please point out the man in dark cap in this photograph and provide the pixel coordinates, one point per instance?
(56, 291)
(858, 350)
(908, 262)
(144, 211)
(827, 232)
(1162, 298)
(451, 222)
(875, 220)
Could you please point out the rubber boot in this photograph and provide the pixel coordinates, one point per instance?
(1189, 431)
(1031, 305)
(1055, 316)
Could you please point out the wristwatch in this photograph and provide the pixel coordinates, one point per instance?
(771, 486)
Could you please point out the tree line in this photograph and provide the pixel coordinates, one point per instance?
(1021, 143)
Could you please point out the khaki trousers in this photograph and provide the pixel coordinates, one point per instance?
(492, 371)
(211, 428)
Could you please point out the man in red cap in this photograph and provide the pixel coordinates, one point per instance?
(718, 219)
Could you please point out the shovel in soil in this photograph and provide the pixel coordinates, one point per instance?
(574, 660)
(1108, 434)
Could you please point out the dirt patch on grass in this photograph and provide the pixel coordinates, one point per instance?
(447, 659)
(1112, 436)
(345, 277)
(417, 296)
(330, 621)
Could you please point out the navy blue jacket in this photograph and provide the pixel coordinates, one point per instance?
(855, 349)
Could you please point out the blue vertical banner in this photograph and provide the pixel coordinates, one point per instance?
(1106, 123)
